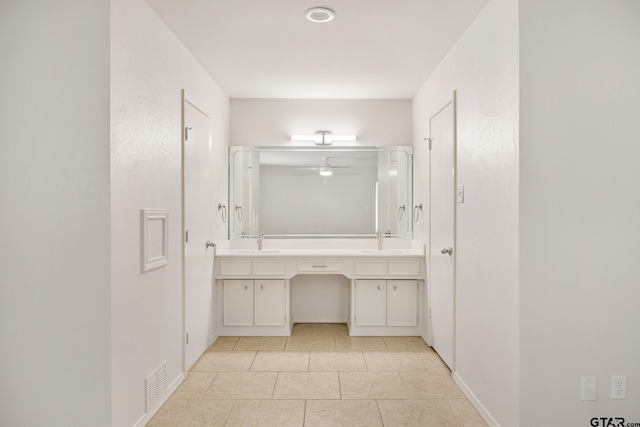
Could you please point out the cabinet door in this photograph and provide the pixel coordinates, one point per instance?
(270, 303)
(402, 302)
(371, 297)
(238, 302)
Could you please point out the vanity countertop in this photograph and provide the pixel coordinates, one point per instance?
(390, 252)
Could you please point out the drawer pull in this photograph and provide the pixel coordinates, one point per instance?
(319, 266)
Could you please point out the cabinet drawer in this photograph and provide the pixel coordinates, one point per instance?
(235, 268)
(404, 268)
(320, 265)
(268, 268)
(371, 268)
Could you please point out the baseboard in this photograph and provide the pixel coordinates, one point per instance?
(475, 402)
(170, 390)
(319, 321)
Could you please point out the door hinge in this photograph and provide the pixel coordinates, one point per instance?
(187, 337)
(186, 236)
(186, 133)
(430, 143)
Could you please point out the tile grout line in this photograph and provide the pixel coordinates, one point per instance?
(273, 392)
(379, 412)
(255, 356)
(304, 414)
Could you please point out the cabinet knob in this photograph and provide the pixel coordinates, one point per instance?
(378, 287)
(245, 287)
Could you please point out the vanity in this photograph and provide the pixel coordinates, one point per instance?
(254, 289)
(341, 238)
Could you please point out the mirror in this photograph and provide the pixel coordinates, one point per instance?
(312, 192)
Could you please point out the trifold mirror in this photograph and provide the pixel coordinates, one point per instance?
(318, 192)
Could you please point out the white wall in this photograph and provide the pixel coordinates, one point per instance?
(54, 221)
(579, 208)
(273, 121)
(320, 298)
(483, 68)
(149, 68)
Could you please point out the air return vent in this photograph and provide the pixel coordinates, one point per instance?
(156, 385)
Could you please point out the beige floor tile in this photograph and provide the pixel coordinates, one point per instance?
(372, 385)
(281, 361)
(302, 329)
(405, 361)
(320, 329)
(267, 413)
(360, 344)
(194, 386)
(430, 385)
(336, 362)
(192, 413)
(339, 413)
(432, 362)
(260, 343)
(225, 361)
(242, 385)
(223, 344)
(466, 413)
(311, 343)
(423, 413)
(406, 344)
(307, 385)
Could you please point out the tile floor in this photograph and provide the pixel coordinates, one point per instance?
(318, 377)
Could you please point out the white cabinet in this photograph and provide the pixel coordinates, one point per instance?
(371, 302)
(270, 303)
(238, 302)
(386, 303)
(254, 303)
(402, 302)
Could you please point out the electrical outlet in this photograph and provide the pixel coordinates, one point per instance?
(618, 387)
(589, 387)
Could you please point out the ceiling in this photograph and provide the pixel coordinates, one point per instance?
(373, 49)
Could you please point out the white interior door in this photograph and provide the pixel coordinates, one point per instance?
(198, 260)
(442, 232)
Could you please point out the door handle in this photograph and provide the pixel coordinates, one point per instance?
(447, 251)
(209, 244)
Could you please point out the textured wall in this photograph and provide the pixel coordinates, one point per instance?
(149, 69)
(483, 68)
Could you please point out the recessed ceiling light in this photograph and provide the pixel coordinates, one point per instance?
(319, 14)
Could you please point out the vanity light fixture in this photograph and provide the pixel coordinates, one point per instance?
(323, 137)
(319, 14)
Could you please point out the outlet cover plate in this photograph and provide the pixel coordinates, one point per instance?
(618, 387)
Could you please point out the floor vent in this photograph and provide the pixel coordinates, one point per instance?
(156, 385)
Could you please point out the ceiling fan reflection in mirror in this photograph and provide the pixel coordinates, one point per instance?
(325, 168)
